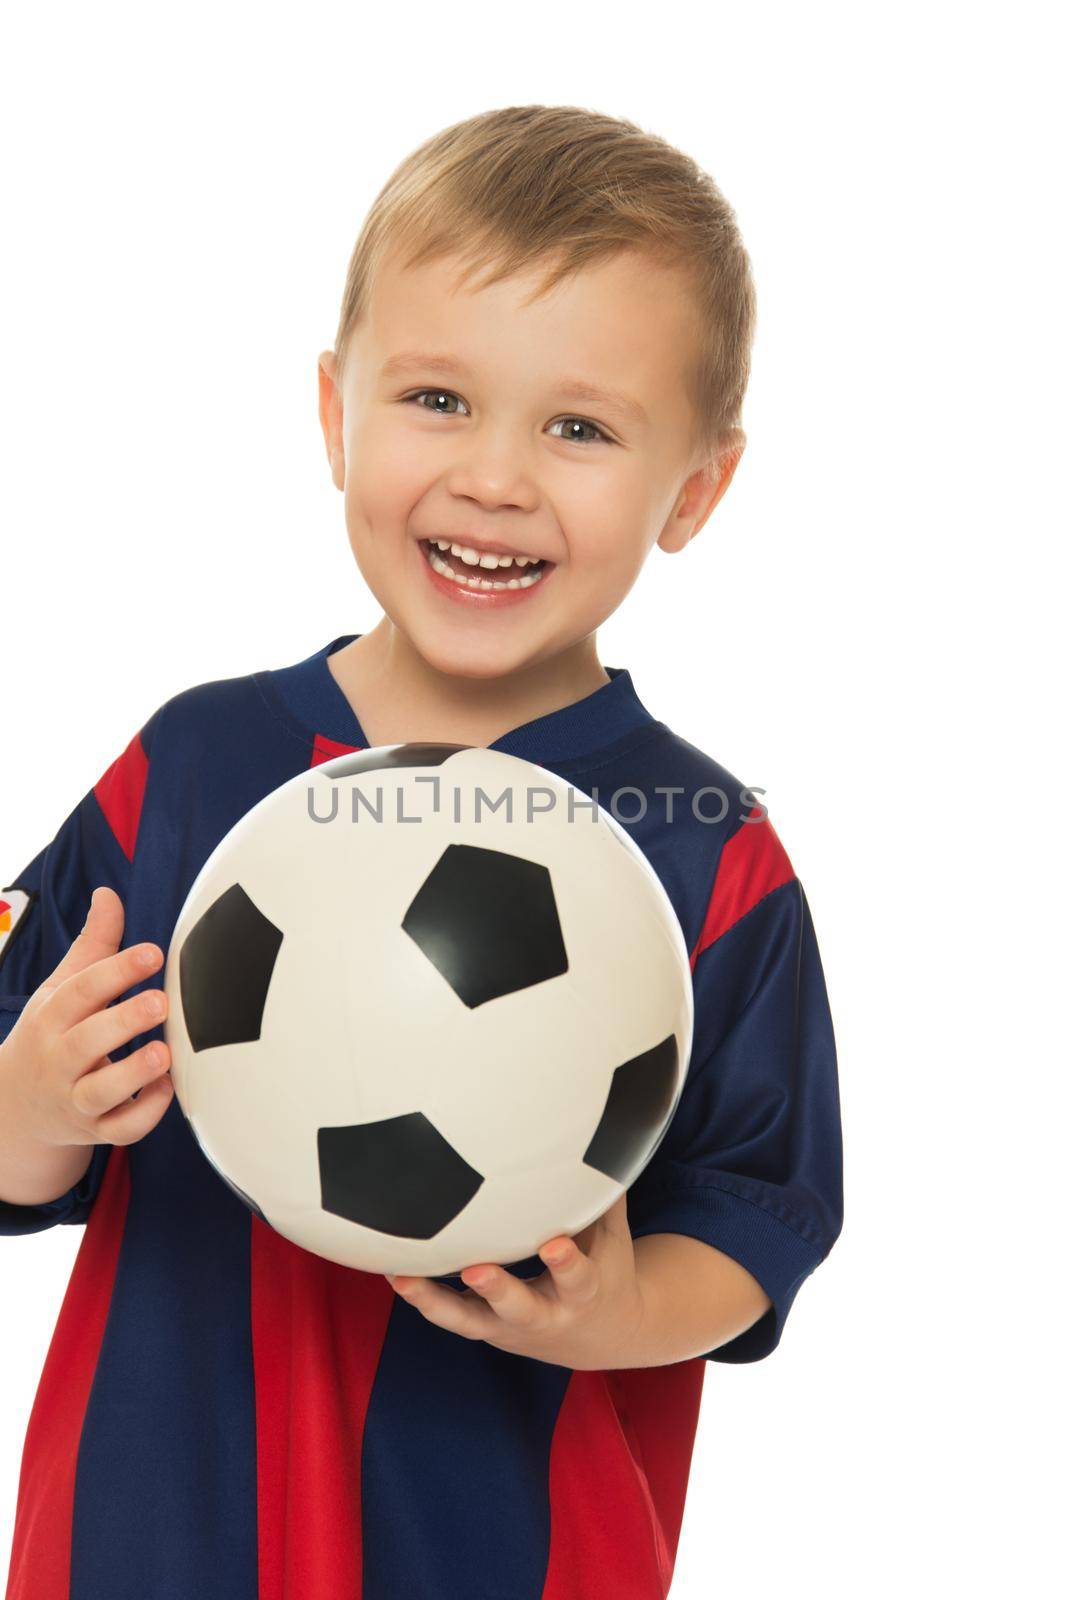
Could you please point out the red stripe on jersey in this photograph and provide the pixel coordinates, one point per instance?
(753, 863)
(325, 749)
(41, 1545)
(313, 1382)
(120, 792)
(658, 1408)
(618, 1471)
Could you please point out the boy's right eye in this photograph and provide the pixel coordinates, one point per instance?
(438, 394)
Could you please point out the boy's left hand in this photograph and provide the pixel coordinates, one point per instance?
(585, 1312)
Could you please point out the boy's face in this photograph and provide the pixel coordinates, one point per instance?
(495, 450)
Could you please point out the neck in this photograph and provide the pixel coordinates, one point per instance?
(399, 697)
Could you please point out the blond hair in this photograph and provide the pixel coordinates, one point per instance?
(527, 184)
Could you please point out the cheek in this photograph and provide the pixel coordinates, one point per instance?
(609, 546)
(607, 551)
(387, 475)
(606, 508)
(600, 576)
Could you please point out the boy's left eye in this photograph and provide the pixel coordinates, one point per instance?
(583, 422)
(446, 394)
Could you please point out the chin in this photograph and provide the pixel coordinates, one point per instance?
(469, 658)
(464, 651)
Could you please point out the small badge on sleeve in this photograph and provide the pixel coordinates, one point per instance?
(14, 905)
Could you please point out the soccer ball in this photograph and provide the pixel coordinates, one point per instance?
(428, 1006)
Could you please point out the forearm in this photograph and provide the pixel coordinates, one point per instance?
(695, 1298)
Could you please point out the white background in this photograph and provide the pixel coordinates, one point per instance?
(866, 626)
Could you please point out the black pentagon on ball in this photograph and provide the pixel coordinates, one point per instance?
(224, 971)
(379, 757)
(398, 1176)
(639, 1099)
(488, 922)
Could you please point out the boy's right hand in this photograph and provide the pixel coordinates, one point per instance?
(59, 1085)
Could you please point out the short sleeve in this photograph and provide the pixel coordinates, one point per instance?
(751, 1162)
(43, 909)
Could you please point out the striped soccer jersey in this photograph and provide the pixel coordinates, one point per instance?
(225, 1416)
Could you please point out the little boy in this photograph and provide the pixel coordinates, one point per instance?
(222, 1415)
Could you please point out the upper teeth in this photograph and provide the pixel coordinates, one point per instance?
(476, 558)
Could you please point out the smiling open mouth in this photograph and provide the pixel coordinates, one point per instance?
(475, 576)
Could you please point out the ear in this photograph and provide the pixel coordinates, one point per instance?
(701, 493)
(331, 416)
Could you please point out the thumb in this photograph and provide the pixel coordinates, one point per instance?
(611, 1224)
(615, 1218)
(100, 935)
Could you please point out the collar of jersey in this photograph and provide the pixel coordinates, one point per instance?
(315, 701)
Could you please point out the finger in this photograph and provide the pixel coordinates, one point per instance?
(100, 936)
(88, 1041)
(132, 1121)
(85, 992)
(575, 1276)
(110, 1086)
(512, 1300)
(459, 1313)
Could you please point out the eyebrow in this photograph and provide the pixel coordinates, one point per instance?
(569, 388)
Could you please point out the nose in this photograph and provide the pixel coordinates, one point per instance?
(492, 471)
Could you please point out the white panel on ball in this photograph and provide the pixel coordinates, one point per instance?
(415, 1099)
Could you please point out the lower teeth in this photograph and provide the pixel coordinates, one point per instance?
(527, 581)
